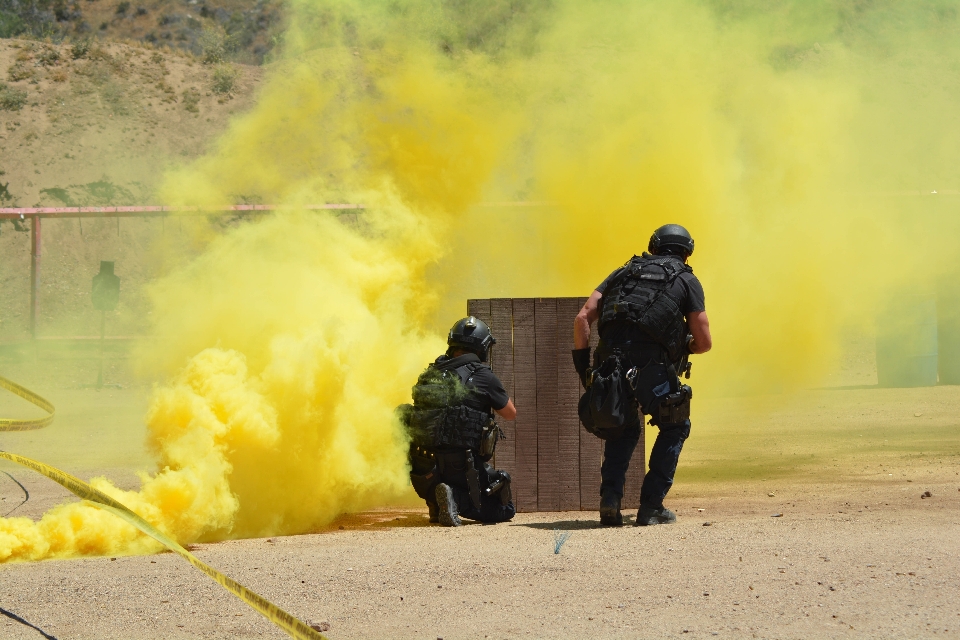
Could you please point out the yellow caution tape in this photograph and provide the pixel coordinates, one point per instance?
(294, 627)
(9, 424)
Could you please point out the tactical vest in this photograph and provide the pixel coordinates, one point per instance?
(642, 295)
(439, 418)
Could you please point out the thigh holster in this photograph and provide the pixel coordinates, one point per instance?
(673, 407)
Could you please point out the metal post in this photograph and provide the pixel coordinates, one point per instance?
(34, 275)
(103, 322)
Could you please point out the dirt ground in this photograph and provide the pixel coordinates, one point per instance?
(844, 547)
(868, 559)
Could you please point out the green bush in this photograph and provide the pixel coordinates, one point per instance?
(12, 99)
(6, 198)
(191, 100)
(48, 57)
(11, 25)
(20, 71)
(80, 49)
(92, 194)
(216, 45)
(224, 79)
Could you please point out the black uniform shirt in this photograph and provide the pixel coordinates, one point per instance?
(686, 288)
(487, 390)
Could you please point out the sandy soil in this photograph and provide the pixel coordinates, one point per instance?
(870, 559)
(857, 552)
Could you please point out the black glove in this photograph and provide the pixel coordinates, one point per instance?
(581, 362)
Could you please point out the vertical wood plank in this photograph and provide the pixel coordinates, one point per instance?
(641, 459)
(568, 395)
(525, 388)
(555, 463)
(635, 472)
(548, 432)
(501, 324)
(591, 452)
(480, 309)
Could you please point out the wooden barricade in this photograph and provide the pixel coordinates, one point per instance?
(554, 462)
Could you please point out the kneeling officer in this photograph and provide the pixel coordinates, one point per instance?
(453, 434)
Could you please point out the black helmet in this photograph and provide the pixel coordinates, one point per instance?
(671, 236)
(471, 334)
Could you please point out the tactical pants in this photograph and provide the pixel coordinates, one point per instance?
(451, 469)
(653, 382)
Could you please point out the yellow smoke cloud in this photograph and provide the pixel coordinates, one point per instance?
(778, 133)
(771, 130)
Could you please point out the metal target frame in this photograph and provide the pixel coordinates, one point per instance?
(37, 214)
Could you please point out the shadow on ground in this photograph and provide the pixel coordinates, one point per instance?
(17, 618)
(568, 525)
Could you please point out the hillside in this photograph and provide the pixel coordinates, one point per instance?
(97, 127)
(251, 27)
(94, 126)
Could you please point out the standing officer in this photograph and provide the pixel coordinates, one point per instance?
(453, 434)
(651, 316)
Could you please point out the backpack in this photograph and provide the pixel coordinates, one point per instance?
(439, 418)
(641, 294)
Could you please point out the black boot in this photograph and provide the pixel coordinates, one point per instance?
(448, 514)
(648, 516)
(434, 512)
(610, 509)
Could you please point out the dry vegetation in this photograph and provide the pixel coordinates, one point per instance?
(91, 123)
(250, 29)
(94, 124)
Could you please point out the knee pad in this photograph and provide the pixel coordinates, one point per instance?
(506, 496)
(499, 484)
